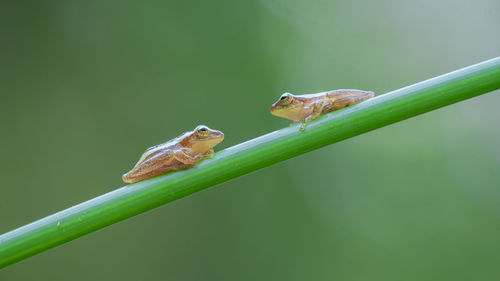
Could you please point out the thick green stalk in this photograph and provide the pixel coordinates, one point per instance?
(247, 157)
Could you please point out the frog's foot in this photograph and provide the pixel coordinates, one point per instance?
(303, 126)
(210, 153)
(202, 157)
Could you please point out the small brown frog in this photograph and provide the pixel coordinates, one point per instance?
(181, 153)
(308, 107)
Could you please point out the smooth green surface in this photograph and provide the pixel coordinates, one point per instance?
(247, 157)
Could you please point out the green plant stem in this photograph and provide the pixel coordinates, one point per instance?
(246, 157)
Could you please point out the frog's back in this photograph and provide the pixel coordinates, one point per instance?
(162, 148)
(359, 95)
(157, 149)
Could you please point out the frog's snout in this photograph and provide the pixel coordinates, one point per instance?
(218, 135)
(126, 178)
(221, 135)
(274, 107)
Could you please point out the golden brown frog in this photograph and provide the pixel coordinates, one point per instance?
(183, 152)
(309, 107)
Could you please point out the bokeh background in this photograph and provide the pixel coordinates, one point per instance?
(86, 86)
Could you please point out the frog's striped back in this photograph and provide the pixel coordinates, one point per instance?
(150, 152)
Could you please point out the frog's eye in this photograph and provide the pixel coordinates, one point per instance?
(202, 131)
(286, 99)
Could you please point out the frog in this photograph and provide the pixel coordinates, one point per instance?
(306, 108)
(182, 152)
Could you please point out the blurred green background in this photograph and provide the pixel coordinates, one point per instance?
(86, 86)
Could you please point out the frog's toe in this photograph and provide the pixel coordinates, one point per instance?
(303, 126)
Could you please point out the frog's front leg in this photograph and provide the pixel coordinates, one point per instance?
(317, 110)
(185, 158)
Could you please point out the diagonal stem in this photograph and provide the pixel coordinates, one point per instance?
(246, 157)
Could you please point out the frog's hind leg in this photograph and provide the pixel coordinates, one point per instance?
(159, 171)
(347, 101)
